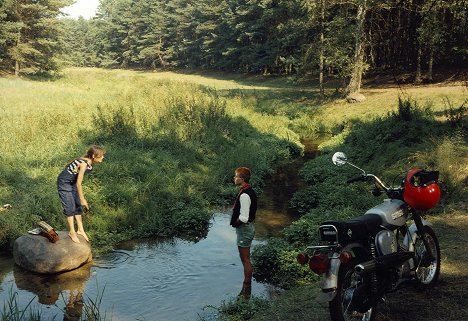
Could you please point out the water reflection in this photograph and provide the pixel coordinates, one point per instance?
(165, 279)
(50, 288)
(168, 279)
(274, 211)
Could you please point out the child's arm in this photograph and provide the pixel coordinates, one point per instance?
(79, 188)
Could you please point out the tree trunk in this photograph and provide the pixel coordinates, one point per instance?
(417, 76)
(17, 68)
(356, 76)
(17, 63)
(161, 59)
(431, 63)
(322, 44)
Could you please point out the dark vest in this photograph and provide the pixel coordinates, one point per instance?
(253, 206)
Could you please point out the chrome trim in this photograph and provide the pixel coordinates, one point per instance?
(330, 279)
(410, 239)
(318, 247)
(329, 225)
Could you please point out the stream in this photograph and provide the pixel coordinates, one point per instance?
(163, 279)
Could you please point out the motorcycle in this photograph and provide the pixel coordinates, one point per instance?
(363, 258)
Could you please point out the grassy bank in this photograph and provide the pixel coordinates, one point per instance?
(173, 141)
(172, 144)
(430, 135)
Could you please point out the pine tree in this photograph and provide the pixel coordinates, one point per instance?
(36, 30)
(9, 32)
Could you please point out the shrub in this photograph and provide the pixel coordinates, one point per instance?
(242, 310)
(455, 116)
(449, 156)
(275, 263)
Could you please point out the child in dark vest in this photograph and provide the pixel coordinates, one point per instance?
(243, 219)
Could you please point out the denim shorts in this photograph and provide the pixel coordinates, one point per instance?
(70, 202)
(245, 234)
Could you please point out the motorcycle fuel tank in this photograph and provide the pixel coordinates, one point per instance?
(393, 213)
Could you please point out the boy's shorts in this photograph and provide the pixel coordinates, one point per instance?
(70, 202)
(245, 234)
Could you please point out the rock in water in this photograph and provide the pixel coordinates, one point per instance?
(35, 253)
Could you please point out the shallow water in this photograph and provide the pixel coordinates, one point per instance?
(163, 279)
(168, 279)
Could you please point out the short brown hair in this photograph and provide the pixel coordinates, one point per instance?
(244, 173)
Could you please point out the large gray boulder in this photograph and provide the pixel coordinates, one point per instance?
(37, 254)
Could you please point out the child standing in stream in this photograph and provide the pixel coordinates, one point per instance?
(69, 186)
(243, 219)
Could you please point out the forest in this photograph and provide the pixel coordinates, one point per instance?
(328, 39)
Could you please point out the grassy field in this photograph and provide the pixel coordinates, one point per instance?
(172, 144)
(173, 140)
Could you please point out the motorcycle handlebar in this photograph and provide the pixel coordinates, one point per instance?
(391, 192)
(339, 159)
(356, 179)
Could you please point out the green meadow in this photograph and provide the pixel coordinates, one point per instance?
(173, 141)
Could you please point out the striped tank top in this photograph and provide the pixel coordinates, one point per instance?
(66, 181)
(72, 168)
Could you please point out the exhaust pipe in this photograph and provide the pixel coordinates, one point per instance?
(383, 262)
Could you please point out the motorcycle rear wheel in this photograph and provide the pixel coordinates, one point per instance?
(348, 283)
(427, 268)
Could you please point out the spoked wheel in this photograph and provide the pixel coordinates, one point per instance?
(351, 285)
(427, 262)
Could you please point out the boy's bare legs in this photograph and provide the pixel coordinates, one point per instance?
(72, 233)
(81, 231)
(244, 253)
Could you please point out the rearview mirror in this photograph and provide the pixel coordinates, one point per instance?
(339, 159)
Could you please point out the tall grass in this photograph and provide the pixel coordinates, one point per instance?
(171, 146)
(78, 309)
(11, 311)
(173, 141)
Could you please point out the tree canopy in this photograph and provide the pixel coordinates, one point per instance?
(340, 38)
(30, 36)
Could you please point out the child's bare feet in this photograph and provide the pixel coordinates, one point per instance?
(84, 235)
(74, 237)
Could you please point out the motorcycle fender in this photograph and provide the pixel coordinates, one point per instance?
(330, 279)
(410, 239)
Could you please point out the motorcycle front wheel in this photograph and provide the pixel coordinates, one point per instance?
(427, 265)
(350, 284)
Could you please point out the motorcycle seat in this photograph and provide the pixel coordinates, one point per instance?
(356, 228)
